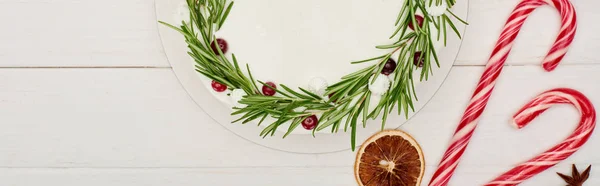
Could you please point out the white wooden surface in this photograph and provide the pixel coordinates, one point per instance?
(88, 98)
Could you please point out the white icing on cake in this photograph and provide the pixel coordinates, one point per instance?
(317, 85)
(380, 85)
(236, 95)
(291, 42)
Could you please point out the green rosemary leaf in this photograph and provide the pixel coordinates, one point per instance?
(438, 28)
(435, 24)
(378, 109)
(273, 112)
(380, 68)
(236, 65)
(434, 54)
(217, 15)
(458, 18)
(277, 124)
(361, 85)
(408, 37)
(263, 118)
(367, 60)
(421, 7)
(310, 94)
(444, 29)
(399, 101)
(400, 28)
(451, 3)
(452, 26)
(252, 81)
(287, 89)
(283, 118)
(366, 109)
(221, 54)
(203, 64)
(267, 130)
(412, 84)
(350, 97)
(357, 110)
(261, 98)
(201, 51)
(389, 46)
(336, 126)
(353, 137)
(242, 110)
(403, 28)
(294, 125)
(174, 28)
(402, 11)
(410, 102)
(225, 15)
(216, 78)
(332, 120)
(252, 117)
(348, 119)
(248, 114)
(340, 85)
(411, 15)
(405, 104)
(384, 118)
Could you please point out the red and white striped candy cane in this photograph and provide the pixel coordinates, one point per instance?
(486, 84)
(562, 150)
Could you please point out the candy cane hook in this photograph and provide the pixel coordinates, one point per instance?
(559, 152)
(492, 70)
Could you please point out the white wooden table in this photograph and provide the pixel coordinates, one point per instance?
(87, 97)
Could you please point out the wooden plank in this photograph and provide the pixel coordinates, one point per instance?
(124, 33)
(179, 177)
(119, 118)
(251, 176)
(143, 118)
(487, 18)
(88, 33)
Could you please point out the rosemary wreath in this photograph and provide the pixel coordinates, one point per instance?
(349, 98)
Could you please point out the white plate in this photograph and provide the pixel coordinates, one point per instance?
(199, 88)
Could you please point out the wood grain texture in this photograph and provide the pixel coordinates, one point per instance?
(142, 118)
(249, 176)
(82, 33)
(132, 126)
(487, 18)
(337, 176)
(120, 118)
(90, 33)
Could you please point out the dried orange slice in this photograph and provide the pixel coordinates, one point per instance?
(389, 158)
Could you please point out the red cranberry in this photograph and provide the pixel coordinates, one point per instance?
(310, 122)
(418, 60)
(268, 91)
(222, 45)
(218, 86)
(389, 67)
(419, 20)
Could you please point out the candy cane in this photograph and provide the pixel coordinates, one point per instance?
(559, 152)
(492, 70)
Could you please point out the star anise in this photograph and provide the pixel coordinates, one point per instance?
(576, 179)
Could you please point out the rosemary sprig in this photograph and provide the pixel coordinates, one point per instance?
(350, 98)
